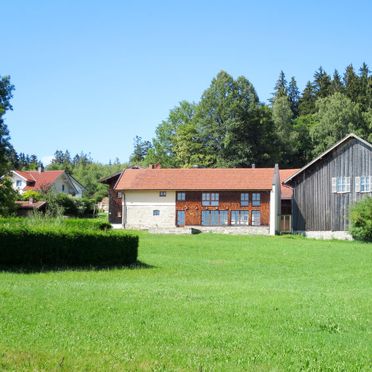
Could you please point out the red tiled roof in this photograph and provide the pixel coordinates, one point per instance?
(286, 191)
(39, 180)
(196, 179)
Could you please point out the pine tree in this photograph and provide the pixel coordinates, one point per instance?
(307, 100)
(322, 83)
(365, 91)
(293, 96)
(351, 82)
(281, 87)
(336, 84)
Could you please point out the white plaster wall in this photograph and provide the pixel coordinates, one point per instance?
(139, 207)
(16, 178)
(63, 180)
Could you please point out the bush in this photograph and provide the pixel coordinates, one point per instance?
(21, 247)
(31, 194)
(361, 220)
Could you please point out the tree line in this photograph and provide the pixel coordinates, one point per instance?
(230, 127)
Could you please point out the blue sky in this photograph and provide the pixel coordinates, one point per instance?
(90, 75)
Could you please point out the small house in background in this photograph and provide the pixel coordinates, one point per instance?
(115, 198)
(103, 205)
(245, 200)
(324, 189)
(58, 180)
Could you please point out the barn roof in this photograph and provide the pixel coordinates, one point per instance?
(321, 156)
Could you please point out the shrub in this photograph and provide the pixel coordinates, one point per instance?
(21, 247)
(361, 220)
(35, 195)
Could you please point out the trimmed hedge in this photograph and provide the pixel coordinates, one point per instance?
(20, 247)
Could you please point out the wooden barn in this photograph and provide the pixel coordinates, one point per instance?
(324, 189)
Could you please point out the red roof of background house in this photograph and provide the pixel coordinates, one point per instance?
(196, 179)
(40, 180)
(30, 205)
(286, 191)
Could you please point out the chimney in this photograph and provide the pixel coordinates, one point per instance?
(155, 166)
(253, 165)
(39, 169)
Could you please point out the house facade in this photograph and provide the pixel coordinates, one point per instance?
(40, 180)
(324, 189)
(207, 199)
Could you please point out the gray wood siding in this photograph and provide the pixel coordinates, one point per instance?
(315, 207)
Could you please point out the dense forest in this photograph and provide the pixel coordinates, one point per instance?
(230, 127)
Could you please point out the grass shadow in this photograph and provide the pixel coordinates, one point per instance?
(24, 269)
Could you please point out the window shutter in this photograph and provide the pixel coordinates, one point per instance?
(370, 184)
(333, 184)
(357, 184)
(347, 179)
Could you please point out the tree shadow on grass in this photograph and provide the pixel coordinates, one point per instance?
(25, 269)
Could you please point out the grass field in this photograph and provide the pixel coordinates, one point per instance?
(206, 302)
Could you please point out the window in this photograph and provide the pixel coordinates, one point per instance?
(244, 199)
(181, 196)
(63, 187)
(19, 183)
(119, 214)
(256, 218)
(239, 217)
(340, 184)
(162, 194)
(214, 218)
(120, 194)
(180, 218)
(256, 199)
(365, 184)
(156, 212)
(210, 199)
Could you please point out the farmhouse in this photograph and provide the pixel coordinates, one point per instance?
(324, 189)
(41, 180)
(248, 199)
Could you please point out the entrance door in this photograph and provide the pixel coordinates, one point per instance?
(180, 218)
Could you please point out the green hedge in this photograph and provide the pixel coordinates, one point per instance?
(361, 220)
(22, 247)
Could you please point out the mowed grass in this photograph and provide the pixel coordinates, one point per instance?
(209, 302)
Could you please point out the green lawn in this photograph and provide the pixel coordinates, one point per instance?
(209, 302)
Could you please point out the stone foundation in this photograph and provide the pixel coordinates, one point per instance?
(236, 230)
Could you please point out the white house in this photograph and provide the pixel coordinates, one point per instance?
(40, 180)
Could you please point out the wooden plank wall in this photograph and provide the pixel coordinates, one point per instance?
(315, 207)
(228, 200)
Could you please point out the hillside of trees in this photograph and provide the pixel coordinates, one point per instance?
(230, 127)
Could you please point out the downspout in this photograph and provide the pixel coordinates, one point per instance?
(275, 202)
(123, 211)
